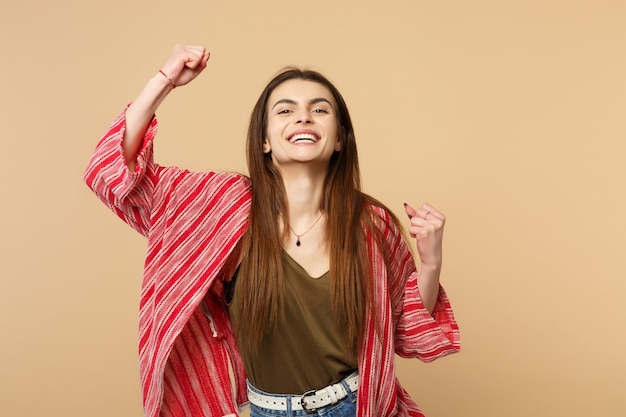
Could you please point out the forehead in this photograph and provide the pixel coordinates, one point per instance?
(300, 91)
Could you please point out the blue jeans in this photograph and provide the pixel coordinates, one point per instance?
(344, 408)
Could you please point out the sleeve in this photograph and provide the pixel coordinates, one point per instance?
(418, 334)
(422, 335)
(128, 194)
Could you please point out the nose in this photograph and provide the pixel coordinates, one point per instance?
(304, 117)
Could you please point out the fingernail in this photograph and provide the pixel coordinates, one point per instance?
(406, 206)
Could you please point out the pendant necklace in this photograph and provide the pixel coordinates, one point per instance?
(298, 236)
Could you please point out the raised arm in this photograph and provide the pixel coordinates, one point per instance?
(183, 65)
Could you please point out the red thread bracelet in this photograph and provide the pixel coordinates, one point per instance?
(168, 79)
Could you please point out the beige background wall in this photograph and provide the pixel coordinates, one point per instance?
(507, 115)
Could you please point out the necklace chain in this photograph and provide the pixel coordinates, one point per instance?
(298, 236)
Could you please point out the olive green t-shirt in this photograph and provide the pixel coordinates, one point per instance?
(308, 350)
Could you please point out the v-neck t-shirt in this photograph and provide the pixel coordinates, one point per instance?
(308, 350)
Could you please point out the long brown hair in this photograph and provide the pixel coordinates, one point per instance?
(260, 286)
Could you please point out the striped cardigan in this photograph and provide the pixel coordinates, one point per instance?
(193, 223)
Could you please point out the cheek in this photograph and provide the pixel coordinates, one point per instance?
(274, 129)
(271, 137)
(336, 132)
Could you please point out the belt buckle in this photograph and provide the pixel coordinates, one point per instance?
(303, 402)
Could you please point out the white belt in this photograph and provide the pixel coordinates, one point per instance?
(309, 401)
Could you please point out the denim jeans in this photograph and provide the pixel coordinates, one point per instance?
(344, 408)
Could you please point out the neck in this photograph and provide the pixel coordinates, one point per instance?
(304, 195)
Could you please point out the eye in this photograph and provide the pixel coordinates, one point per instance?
(283, 111)
(320, 111)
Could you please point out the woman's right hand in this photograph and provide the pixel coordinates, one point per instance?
(185, 63)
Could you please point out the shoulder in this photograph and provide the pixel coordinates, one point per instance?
(386, 231)
(383, 218)
(183, 177)
(186, 188)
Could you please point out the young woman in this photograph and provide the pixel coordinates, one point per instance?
(292, 278)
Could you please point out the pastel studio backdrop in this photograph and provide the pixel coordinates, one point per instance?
(506, 115)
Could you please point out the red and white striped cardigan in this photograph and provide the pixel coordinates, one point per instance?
(193, 222)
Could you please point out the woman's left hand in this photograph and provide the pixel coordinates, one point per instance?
(427, 228)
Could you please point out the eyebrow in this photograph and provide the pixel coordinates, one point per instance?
(312, 101)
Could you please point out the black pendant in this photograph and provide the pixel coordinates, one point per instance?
(298, 242)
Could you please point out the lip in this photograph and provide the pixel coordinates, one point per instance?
(304, 132)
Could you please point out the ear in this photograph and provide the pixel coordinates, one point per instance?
(337, 145)
(266, 147)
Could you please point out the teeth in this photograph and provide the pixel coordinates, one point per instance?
(302, 137)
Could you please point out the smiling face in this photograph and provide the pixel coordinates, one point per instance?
(301, 123)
